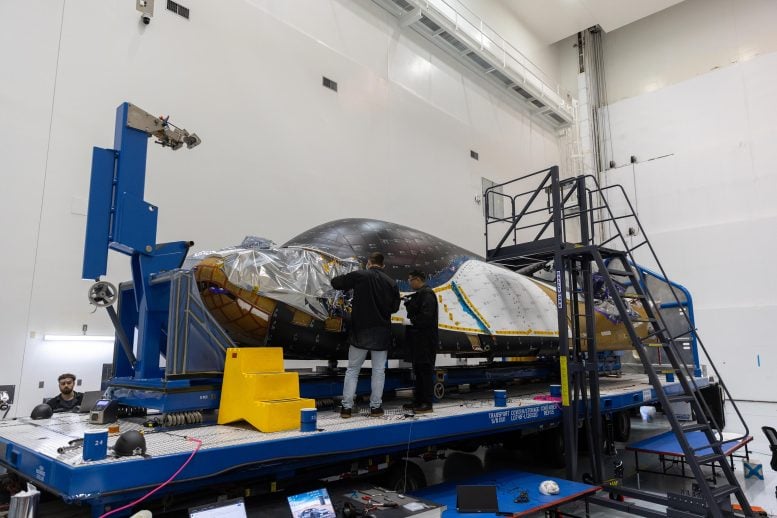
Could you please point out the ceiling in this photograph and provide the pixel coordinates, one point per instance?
(554, 20)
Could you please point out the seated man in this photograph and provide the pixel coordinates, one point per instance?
(68, 400)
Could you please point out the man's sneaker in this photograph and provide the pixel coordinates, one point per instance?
(409, 406)
(423, 408)
(345, 413)
(377, 412)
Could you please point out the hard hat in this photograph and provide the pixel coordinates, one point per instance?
(42, 411)
(129, 443)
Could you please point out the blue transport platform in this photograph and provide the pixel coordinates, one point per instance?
(38, 450)
(509, 486)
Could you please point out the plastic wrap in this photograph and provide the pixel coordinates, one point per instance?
(298, 277)
(24, 504)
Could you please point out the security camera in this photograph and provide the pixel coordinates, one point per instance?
(146, 9)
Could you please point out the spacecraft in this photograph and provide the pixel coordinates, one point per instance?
(264, 294)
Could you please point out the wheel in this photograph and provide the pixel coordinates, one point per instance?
(404, 477)
(102, 294)
(621, 423)
(439, 391)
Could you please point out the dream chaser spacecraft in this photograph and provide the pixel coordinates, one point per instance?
(263, 294)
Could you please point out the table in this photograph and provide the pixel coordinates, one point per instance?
(509, 484)
(666, 445)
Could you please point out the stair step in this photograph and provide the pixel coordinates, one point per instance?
(622, 273)
(653, 344)
(695, 427)
(711, 457)
(680, 398)
(648, 320)
(721, 492)
(643, 243)
(633, 296)
(713, 445)
(654, 333)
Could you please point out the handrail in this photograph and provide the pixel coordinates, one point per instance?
(685, 314)
(515, 218)
(556, 206)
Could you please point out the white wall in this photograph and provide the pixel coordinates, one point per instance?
(709, 207)
(280, 153)
(696, 82)
(686, 40)
(44, 361)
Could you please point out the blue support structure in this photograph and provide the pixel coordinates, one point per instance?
(685, 305)
(120, 219)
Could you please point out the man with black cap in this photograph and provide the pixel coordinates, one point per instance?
(375, 298)
(422, 340)
(68, 400)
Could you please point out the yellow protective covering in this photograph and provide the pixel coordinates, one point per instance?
(256, 389)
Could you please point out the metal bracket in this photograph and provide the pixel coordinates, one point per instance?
(167, 134)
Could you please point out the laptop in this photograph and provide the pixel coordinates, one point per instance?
(476, 499)
(313, 504)
(235, 508)
(90, 398)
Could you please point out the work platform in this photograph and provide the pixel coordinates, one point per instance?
(509, 485)
(670, 454)
(237, 452)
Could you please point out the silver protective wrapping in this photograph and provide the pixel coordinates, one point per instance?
(296, 276)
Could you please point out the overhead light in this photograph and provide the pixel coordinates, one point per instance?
(79, 338)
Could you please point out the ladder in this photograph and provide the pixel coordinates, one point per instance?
(575, 208)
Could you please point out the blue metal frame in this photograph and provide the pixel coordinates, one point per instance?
(688, 305)
(119, 219)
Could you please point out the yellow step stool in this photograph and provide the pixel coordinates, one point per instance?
(256, 389)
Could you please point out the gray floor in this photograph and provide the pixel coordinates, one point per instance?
(756, 415)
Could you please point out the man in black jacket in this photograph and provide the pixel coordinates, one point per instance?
(375, 298)
(422, 340)
(68, 400)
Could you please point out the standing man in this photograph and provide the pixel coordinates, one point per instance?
(375, 298)
(68, 400)
(422, 340)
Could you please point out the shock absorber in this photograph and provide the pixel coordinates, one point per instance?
(182, 418)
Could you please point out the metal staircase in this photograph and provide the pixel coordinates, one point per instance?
(556, 220)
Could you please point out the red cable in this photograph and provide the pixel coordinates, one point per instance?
(163, 484)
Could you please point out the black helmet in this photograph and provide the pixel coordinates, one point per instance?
(42, 411)
(129, 443)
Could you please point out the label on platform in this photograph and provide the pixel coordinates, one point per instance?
(523, 413)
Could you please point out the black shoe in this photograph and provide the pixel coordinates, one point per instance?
(377, 412)
(345, 413)
(423, 408)
(409, 406)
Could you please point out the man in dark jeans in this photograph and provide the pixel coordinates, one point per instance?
(375, 298)
(422, 340)
(68, 400)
